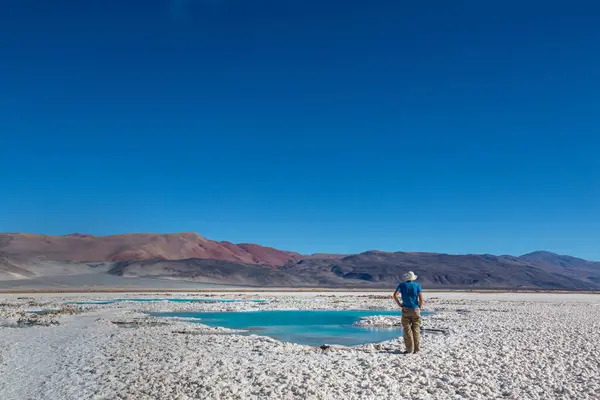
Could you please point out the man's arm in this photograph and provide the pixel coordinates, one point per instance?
(396, 293)
(420, 299)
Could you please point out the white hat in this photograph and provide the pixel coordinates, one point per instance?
(410, 276)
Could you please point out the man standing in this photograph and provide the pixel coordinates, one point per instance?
(412, 302)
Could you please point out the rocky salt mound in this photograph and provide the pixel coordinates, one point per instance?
(508, 346)
(379, 321)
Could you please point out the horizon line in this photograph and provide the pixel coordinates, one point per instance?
(81, 235)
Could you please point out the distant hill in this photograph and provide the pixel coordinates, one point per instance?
(551, 259)
(209, 271)
(445, 270)
(572, 267)
(12, 268)
(139, 246)
(189, 256)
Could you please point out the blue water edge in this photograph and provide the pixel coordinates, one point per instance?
(313, 328)
(169, 299)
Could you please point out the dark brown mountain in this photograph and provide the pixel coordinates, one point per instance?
(378, 268)
(573, 267)
(209, 271)
(551, 259)
(372, 269)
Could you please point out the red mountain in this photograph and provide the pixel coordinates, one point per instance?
(139, 246)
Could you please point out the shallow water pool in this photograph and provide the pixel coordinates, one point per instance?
(313, 328)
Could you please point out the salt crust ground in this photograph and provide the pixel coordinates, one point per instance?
(497, 346)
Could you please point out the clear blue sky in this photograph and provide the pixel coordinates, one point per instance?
(315, 126)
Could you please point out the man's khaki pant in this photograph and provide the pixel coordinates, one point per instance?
(411, 324)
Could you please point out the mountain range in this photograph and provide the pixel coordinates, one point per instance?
(191, 257)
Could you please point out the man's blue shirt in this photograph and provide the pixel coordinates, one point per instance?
(410, 294)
